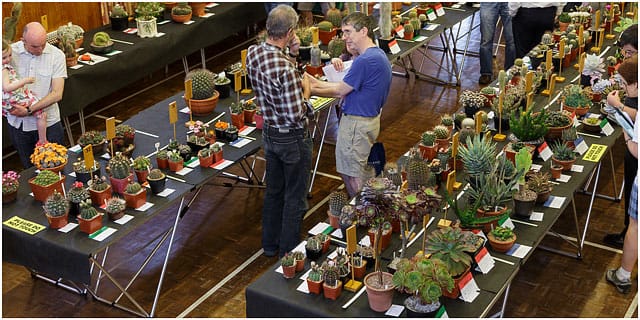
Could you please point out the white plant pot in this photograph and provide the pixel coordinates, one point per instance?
(147, 28)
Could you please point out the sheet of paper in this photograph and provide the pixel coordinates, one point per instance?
(333, 75)
(207, 15)
(72, 174)
(577, 168)
(166, 192)
(194, 163)
(126, 218)
(519, 250)
(247, 130)
(419, 38)
(303, 287)
(145, 206)
(365, 241)
(554, 202)
(337, 233)
(105, 234)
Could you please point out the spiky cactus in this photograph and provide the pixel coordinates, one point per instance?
(155, 174)
(119, 166)
(418, 172)
(45, 178)
(464, 133)
(408, 28)
(337, 200)
(133, 188)
(334, 16)
(325, 25)
(330, 274)
(415, 22)
(446, 120)
(428, 138)
(203, 85)
(441, 132)
(336, 46)
(315, 274)
(87, 211)
(56, 204)
(77, 193)
(98, 184)
(68, 45)
(313, 244)
(115, 205)
(546, 39)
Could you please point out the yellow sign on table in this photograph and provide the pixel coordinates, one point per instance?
(87, 151)
(173, 112)
(237, 81)
(23, 225)
(594, 153)
(111, 128)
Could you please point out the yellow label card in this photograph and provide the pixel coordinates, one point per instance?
(23, 225)
(595, 152)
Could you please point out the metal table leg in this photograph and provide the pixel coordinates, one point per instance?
(324, 131)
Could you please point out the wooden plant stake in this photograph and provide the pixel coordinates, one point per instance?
(552, 86)
(529, 101)
(597, 29)
(610, 35)
(87, 151)
(451, 178)
(425, 221)
(110, 124)
(243, 59)
(580, 48)
(528, 82)
(352, 285)
(188, 94)
(500, 136)
(173, 117)
(238, 85)
(561, 48)
(455, 142)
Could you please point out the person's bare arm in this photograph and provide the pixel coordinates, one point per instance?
(328, 89)
(55, 95)
(8, 86)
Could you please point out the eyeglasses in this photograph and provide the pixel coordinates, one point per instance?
(629, 52)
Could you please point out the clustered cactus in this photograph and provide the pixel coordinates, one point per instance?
(337, 200)
(45, 178)
(119, 166)
(56, 205)
(115, 205)
(133, 187)
(118, 12)
(155, 174)
(325, 26)
(98, 184)
(330, 274)
(141, 163)
(87, 211)
(334, 16)
(203, 83)
(336, 46)
(418, 172)
(315, 274)
(77, 193)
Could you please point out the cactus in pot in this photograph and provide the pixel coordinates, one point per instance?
(115, 208)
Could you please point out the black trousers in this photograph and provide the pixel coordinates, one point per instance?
(529, 25)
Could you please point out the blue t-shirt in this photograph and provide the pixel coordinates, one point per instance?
(370, 78)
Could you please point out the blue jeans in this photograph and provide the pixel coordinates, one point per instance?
(288, 157)
(25, 141)
(489, 12)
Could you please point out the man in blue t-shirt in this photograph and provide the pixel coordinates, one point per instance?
(364, 89)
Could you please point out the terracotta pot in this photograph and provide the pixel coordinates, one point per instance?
(206, 161)
(157, 186)
(499, 245)
(115, 216)
(580, 111)
(395, 6)
(386, 238)
(9, 197)
(489, 102)
(57, 222)
(566, 165)
(314, 287)
(98, 197)
(119, 185)
(176, 165)
(204, 107)
(181, 18)
(237, 120)
(41, 193)
(555, 133)
(326, 36)
(442, 143)
(332, 292)
(197, 8)
(259, 119)
(556, 171)
(141, 175)
(289, 271)
(427, 152)
(162, 163)
(72, 61)
(217, 157)
(408, 35)
(455, 293)
(487, 227)
(380, 296)
(136, 200)
(543, 196)
(92, 225)
(563, 26)
(360, 272)
(314, 70)
(511, 155)
(326, 245)
(248, 115)
(299, 265)
(334, 221)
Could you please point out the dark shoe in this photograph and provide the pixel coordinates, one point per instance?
(615, 240)
(484, 79)
(621, 285)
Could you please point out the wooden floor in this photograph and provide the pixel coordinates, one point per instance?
(220, 235)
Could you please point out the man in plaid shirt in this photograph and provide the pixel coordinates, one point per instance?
(282, 94)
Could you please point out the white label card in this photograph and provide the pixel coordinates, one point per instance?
(564, 178)
(607, 129)
(581, 146)
(485, 261)
(431, 15)
(508, 223)
(577, 168)
(394, 47)
(185, 171)
(75, 148)
(469, 288)
(519, 250)
(554, 202)
(536, 216)
(400, 31)
(126, 218)
(320, 227)
(239, 143)
(536, 167)
(145, 206)
(166, 192)
(105, 234)
(70, 226)
(439, 10)
(394, 311)
(545, 151)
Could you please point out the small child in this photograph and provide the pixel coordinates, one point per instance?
(15, 92)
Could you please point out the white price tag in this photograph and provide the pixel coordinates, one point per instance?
(485, 261)
(606, 127)
(166, 192)
(394, 47)
(394, 311)
(581, 146)
(70, 226)
(535, 167)
(545, 151)
(104, 234)
(400, 31)
(439, 10)
(145, 206)
(508, 223)
(518, 250)
(536, 216)
(124, 219)
(564, 178)
(184, 171)
(431, 15)
(577, 168)
(554, 202)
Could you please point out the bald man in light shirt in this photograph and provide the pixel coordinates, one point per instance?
(34, 57)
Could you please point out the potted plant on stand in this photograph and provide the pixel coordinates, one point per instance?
(223, 86)
(556, 122)
(115, 208)
(539, 183)
(56, 209)
(471, 101)
(157, 180)
(313, 248)
(176, 163)
(337, 200)
(89, 219)
(314, 278)
(563, 155)
(575, 100)
(528, 128)
(99, 190)
(288, 264)
(68, 46)
(162, 159)
(524, 199)
(82, 173)
(135, 195)
(217, 152)
(119, 18)
(332, 286)
(449, 245)
(249, 110)
(425, 279)
(442, 136)
(101, 43)
(427, 145)
(181, 13)
(141, 166)
(76, 195)
(50, 156)
(146, 18)
(120, 170)
(205, 156)
(10, 184)
(95, 139)
(198, 8)
(125, 136)
(204, 95)
(501, 239)
(237, 114)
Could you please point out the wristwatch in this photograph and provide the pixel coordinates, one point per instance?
(29, 112)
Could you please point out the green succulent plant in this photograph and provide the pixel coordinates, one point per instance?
(448, 245)
(315, 274)
(46, 177)
(119, 166)
(133, 187)
(528, 127)
(428, 138)
(56, 204)
(141, 163)
(502, 233)
(478, 155)
(115, 205)
(78, 193)
(203, 85)
(98, 184)
(562, 152)
(155, 174)
(87, 211)
(424, 278)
